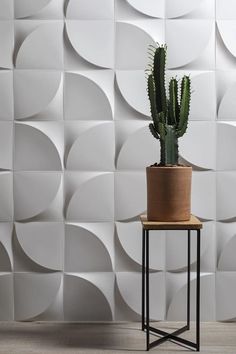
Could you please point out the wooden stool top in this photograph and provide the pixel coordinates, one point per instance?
(192, 224)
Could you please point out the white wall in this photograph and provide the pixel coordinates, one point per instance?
(74, 145)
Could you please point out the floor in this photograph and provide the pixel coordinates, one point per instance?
(71, 338)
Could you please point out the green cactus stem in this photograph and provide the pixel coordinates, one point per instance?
(169, 114)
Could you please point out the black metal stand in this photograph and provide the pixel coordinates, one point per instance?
(145, 298)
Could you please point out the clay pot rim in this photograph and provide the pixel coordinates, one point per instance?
(169, 167)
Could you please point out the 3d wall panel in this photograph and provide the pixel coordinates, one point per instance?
(74, 144)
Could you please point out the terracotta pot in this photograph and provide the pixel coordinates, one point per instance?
(169, 193)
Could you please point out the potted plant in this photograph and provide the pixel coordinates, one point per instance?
(168, 183)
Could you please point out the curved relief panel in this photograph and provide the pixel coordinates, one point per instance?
(201, 206)
(46, 39)
(151, 8)
(226, 144)
(6, 142)
(130, 194)
(93, 35)
(34, 150)
(34, 91)
(227, 107)
(34, 293)
(6, 10)
(130, 234)
(227, 260)
(84, 301)
(196, 37)
(25, 8)
(131, 294)
(139, 150)
(49, 238)
(93, 150)
(226, 202)
(201, 155)
(94, 200)
(6, 40)
(203, 101)
(131, 41)
(6, 256)
(133, 87)
(181, 8)
(177, 290)
(176, 245)
(6, 193)
(227, 30)
(81, 242)
(6, 95)
(225, 10)
(80, 92)
(34, 192)
(6, 297)
(225, 296)
(85, 10)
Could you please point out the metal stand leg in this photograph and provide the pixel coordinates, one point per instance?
(147, 290)
(174, 336)
(198, 291)
(143, 279)
(188, 279)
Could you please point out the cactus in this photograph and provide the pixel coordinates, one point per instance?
(169, 114)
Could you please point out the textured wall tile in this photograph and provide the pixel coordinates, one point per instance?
(130, 239)
(130, 194)
(225, 198)
(90, 146)
(6, 9)
(225, 10)
(6, 143)
(190, 9)
(43, 9)
(6, 196)
(36, 94)
(83, 88)
(74, 144)
(6, 297)
(88, 10)
(36, 193)
(196, 48)
(34, 293)
(90, 196)
(177, 296)
(135, 147)
(200, 155)
(132, 41)
(84, 300)
(49, 237)
(6, 95)
(176, 249)
(130, 295)
(225, 49)
(6, 254)
(225, 296)
(93, 35)
(47, 39)
(86, 242)
(226, 246)
(7, 44)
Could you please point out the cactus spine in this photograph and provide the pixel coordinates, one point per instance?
(169, 114)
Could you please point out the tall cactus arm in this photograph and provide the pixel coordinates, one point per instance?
(184, 106)
(173, 105)
(159, 78)
(152, 99)
(153, 131)
(161, 133)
